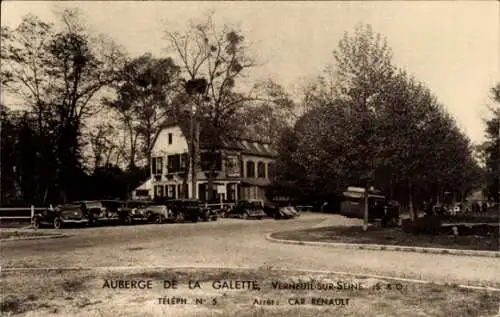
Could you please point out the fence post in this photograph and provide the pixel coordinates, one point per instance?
(32, 211)
(50, 207)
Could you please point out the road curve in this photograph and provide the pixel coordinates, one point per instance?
(239, 243)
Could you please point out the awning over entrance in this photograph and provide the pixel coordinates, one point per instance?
(145, 186)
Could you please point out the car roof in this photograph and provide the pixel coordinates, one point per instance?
(186, 200)
(84, 202)
(111, 201)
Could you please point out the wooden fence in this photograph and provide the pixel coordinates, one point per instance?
(20, 213)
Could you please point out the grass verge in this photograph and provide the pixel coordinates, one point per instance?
(81, 293)
(390, 236)
(15, 234)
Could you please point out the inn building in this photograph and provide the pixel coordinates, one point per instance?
(243, 168)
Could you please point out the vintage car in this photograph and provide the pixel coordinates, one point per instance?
(79, 212)
(271, 209)
(247, 210)
(134, 211)
(59, 216)
(111, 211)
(189, 210)
(208, 213)
(276, 211)
(157, 213)
(287, 212)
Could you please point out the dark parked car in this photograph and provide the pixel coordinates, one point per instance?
(80, 212)
(135, 211)
(271, 209)
(247, 209)
(72, 213)
(276, 211)
(112, 211)
(189, 210)
(157, 213)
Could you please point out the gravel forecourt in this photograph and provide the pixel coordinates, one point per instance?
(237, 243)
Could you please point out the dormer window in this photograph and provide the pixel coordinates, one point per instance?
(261, 170)
(271, 170)
(250, 169)
(170, 138)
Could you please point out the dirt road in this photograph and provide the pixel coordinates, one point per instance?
(236, 243)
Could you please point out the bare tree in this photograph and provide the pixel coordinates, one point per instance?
(215, 61)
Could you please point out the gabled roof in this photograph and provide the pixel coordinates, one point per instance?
(244, 145)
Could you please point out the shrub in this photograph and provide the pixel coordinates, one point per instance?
(425, 225)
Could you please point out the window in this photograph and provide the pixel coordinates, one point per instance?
(211, 161)
(174, 163)
(261, 170)
(242, 168)
(184, 162)
(170, 138)
(271, 170)
(159, 191)
(171, 191)
(157, 165)
(231, 192)
(232, 166)
(180, 192)
(177, 163)
(250, 169)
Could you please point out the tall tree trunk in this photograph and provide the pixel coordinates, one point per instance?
(391, 189)
(365, 222)
(45, 194)
(410, 201)
(211, 174)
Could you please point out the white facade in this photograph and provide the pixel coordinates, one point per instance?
(242, 174)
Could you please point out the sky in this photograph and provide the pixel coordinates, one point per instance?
(453, 47)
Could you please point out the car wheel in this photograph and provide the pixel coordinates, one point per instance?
(35, 223)
(128, 220)
(158, 219)
(57, 223)
(180, 217)
(245, 215)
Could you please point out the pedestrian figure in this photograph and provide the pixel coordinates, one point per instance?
(385, 215)
(484, 207)
(427, 208)
(475, 207)
(324, 206)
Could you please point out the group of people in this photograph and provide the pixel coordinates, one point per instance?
(431, 208)
(387, 211)
(479, 207)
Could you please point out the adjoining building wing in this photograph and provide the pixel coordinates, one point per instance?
(143, 191)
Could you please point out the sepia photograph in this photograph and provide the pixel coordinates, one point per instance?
(250, 158)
